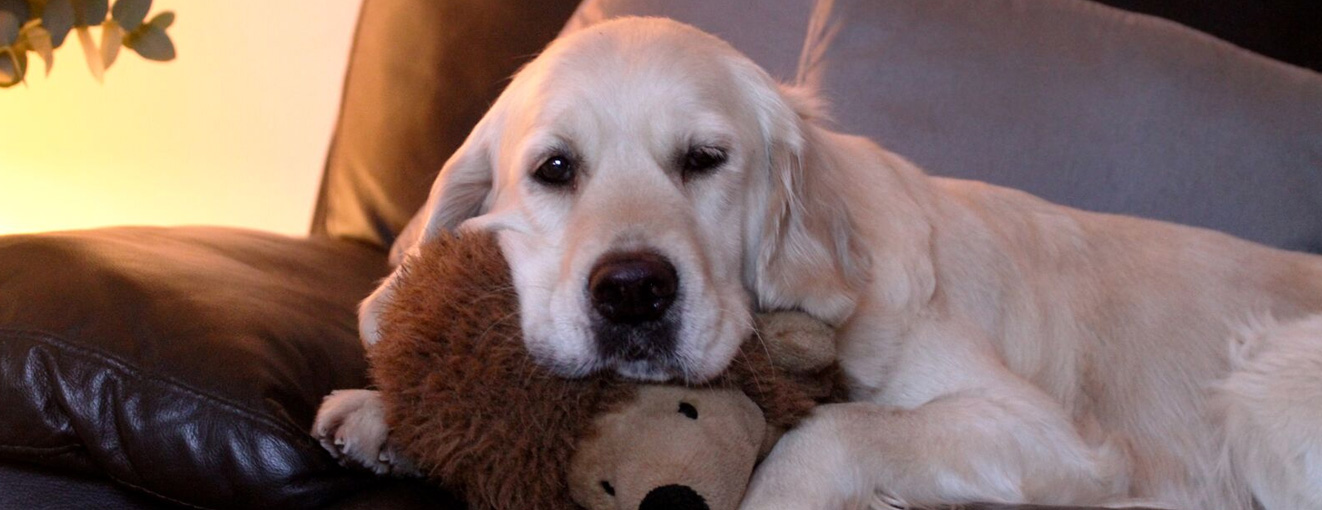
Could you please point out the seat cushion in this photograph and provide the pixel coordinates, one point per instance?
(185, 363)
(1076, 102)
(31, 486)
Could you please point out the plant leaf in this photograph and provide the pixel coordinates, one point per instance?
(8, 28)
(162, 20)
(130, 13)
(58, 19)
(111, 37)
(39, 40)
(90, 13)
(12, 67)
(93, 55)
(151, 42)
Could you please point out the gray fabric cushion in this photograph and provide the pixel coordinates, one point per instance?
(1075, 102)
(771, 34)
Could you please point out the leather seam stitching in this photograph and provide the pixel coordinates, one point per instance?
(48, 451)
(154, 493)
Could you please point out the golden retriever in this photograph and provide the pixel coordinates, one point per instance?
(651, 186)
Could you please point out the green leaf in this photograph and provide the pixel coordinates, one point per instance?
(39, 40)
(58, 19)
(94, 62)
(130, 13)
(151, 42)
(162, 20)
(111, 37)
(8, 28)
(12, 67)
(90, 13)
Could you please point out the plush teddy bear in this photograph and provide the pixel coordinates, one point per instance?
(469, 405)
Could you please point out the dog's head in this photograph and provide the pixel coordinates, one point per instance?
(647, 181)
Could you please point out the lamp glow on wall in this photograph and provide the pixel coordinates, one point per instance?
(233, 132)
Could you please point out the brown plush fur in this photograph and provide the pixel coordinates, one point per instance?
(466, 401)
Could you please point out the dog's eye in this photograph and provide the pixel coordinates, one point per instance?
(557, 170)
(701, 160)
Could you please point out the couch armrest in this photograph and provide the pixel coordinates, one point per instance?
(186, 363)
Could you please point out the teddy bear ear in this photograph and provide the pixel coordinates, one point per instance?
(798, 343)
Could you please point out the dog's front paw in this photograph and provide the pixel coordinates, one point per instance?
(351, 425)
(811, 468)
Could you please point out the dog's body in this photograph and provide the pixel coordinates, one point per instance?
(999, 348)
(1058, 356)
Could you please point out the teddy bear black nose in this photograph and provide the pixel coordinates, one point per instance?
(673, 497)
(633, 287)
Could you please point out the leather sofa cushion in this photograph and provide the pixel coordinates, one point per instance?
(1073, 101)
(28, 486)
(186, 363)
(421, 74)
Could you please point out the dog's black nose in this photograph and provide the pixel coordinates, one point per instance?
(673, 497)
(633, 287)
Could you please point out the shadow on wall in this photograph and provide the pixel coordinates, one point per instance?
(1287, 30)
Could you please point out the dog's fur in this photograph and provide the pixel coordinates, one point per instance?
(999, 348)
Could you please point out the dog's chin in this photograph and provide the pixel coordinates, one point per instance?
(644, 371)
(569, 353)
(640, 370)
(714, 360)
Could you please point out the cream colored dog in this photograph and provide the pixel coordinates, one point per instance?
(651, 186)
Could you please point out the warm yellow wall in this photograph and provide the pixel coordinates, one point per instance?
(232, 132)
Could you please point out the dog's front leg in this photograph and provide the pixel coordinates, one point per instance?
(960, 448)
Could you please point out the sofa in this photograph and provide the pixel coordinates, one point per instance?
(181, 367)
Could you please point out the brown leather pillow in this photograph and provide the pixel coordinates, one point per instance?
(186, 363)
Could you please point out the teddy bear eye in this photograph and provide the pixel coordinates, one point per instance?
(606, 486)
(688, 410)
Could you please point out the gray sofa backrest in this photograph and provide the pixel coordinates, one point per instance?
(1070, 100)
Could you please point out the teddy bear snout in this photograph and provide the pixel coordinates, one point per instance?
(673, 497)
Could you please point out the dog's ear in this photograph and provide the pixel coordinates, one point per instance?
(804, 252)
(463, 188)
(807, 251)
(461, 191)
